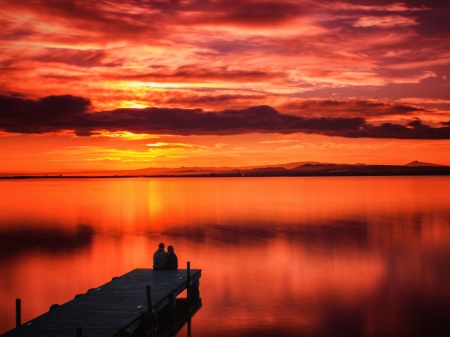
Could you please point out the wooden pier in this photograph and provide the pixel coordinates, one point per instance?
(136, 304)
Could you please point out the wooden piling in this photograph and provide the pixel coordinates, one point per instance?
(149, 298)
(188, 293)
(18, 313)
(150, 309)
(188, 282)
(172, 313)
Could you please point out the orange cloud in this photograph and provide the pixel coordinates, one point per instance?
(385, 21)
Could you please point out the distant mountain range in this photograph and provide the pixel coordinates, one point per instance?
(419, 163)
(289, 169)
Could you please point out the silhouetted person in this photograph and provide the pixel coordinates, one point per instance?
(172, 259)
(159, 258)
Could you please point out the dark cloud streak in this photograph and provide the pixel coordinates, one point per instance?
(59, 113)
(247, 13)
(191, 74)
(354, 107)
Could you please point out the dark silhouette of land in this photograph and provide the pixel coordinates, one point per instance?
(282, 170)
(419, 163)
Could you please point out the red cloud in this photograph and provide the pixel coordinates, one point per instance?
(277, 49)
(198, 73)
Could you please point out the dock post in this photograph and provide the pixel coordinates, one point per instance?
(195, 291)
(79, 332)
(188, 282)
(153, 316)
(149, 299)
(18, 313)
(188, 306)
(172, 310)
(189, 321)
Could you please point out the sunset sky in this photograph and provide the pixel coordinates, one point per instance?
(117, 84)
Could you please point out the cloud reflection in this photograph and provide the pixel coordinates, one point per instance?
(332, 234)
(16, 241)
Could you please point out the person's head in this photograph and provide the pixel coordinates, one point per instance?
(170, 249)
(161, 245)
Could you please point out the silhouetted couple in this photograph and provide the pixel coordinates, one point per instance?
(165, 260)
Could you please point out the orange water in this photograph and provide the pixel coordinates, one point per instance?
(350, 256)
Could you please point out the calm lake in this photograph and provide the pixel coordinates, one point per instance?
(321, 256)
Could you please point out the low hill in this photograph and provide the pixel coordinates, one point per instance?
(419, 163)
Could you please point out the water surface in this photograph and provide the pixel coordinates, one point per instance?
(322, 256)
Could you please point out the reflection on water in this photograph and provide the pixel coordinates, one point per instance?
(21, 240)
(352, 256)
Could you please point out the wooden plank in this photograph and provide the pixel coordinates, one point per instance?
(111, 307)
